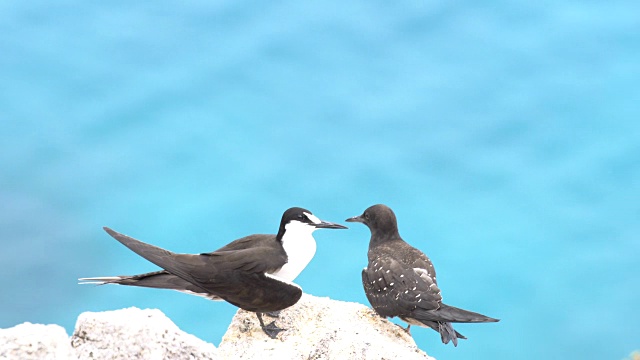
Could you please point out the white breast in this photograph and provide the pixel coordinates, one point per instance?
(300, 246)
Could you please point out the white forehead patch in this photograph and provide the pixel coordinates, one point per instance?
(313, 218)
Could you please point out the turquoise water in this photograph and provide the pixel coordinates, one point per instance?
(506, 136)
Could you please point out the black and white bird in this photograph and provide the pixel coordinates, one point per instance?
(254, 273)
(401, 281)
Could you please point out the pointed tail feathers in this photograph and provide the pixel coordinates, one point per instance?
(159, 256)
(448, 313)
(100, 280)
(440, 320)
(446, 330)
(157, 279)
(447, 333)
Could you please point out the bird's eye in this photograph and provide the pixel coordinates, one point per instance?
(366, 216)
(300, 216)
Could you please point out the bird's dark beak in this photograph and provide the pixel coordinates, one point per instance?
(329, 225)
(358, 218)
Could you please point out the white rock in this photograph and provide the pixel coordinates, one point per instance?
(135, 334)
(319, 328)
(35, 341)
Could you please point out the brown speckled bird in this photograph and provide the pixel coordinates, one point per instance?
(401, 281)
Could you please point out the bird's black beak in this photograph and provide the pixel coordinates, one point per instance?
(329, 225)
(358, 218)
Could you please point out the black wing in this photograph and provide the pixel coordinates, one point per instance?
(237, 276)
(205, 268)
(260, 292)
(251, 241)
(394, 289)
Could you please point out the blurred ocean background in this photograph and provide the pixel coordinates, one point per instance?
(505, 135)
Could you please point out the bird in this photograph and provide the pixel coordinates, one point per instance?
(400, 280)
(254, 273)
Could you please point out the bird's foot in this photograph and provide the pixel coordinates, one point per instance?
(274, 314)
(271, 329)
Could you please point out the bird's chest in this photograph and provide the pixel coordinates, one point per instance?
(300, 249)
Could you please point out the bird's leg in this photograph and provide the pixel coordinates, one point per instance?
(271, 329)
(408, 329)
(274, 314)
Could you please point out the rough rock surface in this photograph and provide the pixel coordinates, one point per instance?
(135, 334)
(319, 328)
(35, 341)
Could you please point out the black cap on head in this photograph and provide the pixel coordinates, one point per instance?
(306, 217)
